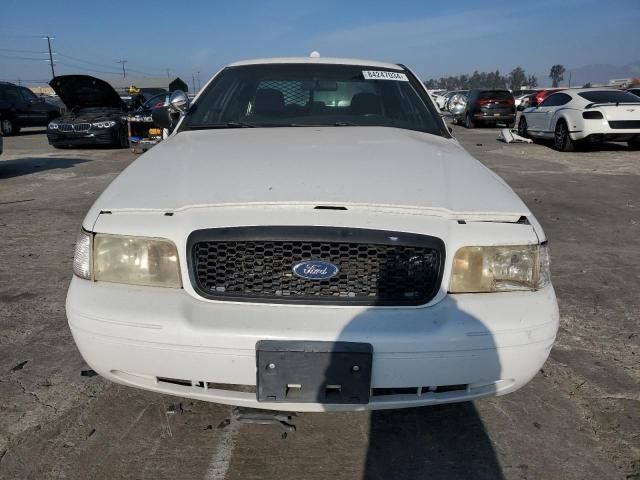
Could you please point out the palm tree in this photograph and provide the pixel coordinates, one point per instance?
(556, 75)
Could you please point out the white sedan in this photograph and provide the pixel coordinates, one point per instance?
(311, 238)
(573, 116)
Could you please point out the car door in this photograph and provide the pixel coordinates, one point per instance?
(37, 112)
(548, 109)
(538, 120)
(17, 107)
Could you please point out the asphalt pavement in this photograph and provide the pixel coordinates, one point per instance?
(578, 419)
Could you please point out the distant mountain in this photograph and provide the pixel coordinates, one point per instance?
(597, 73)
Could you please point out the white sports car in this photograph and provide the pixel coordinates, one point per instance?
(572, 116)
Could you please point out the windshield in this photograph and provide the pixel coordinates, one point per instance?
(314, 95)
(609, 96)
(155, 101)
(495, 95)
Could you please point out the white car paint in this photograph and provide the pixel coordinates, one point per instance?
(388, 179)
(542, 121)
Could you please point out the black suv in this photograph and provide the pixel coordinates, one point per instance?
(20, 107)
(489, 107)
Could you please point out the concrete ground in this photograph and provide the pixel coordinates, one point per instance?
(578, 419)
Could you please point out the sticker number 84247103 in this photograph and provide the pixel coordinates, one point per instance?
(384, 75)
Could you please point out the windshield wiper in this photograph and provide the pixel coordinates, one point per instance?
(335, 124)
(212, 126)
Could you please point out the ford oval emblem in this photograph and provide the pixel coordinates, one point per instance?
(315, 270)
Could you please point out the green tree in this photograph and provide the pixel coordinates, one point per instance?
(517, 78)
(556, 75)
(532, 81)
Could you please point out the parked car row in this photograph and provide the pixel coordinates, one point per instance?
(86, 111)
(569, 117)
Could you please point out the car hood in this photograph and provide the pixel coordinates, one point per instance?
(84, 91)
(377, 167)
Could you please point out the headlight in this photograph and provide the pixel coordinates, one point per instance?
(500, 269)
(136, 261)
(82, 256)
(53, 126)
(108, 124)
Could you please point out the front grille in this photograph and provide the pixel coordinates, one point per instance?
(624, 124)
(74, 127)
(375, 267)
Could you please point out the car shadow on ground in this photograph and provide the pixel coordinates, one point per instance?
(28, 166)
(447, 347)
(603, 147)
(24, 133)
(436, 442)
(589, 147)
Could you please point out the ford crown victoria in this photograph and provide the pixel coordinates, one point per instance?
(311, 238)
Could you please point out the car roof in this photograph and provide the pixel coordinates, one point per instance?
(591, 89)
(317, 60)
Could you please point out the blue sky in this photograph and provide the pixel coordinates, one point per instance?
(433, 38)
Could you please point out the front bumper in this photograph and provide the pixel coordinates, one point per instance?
(489, 116)
(106, 136)
(491, 343)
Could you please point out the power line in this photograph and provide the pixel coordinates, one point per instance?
(18, 51)
(101, 65)
(15, 57)
(93, 70)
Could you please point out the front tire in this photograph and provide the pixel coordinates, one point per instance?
(9, 128)
(522, 127)
(468, 122)
(561, 139)
(124, 138)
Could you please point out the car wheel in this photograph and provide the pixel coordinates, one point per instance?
(9, 128)
(511, 125)
(522, 127)
(468, 123)
(561, 139)
(124, 138)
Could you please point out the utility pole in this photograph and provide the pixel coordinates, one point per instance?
(124, 72)
(199, 81)
(168, 74)
(569, 79)
(48, 39)
(193, 82)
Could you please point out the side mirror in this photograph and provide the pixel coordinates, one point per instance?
(179, 102)
(162, 117)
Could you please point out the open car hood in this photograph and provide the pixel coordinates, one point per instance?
(84, 91)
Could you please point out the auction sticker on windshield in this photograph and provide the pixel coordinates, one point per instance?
(383, 75)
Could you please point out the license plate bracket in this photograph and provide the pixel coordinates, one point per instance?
(313, 372)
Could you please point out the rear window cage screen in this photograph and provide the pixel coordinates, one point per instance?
(292, 90)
